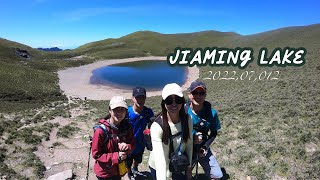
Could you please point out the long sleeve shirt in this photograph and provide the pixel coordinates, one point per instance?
(159, 156)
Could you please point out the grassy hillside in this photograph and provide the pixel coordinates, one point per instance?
(270, 129)
(31, 82)
(143, 43)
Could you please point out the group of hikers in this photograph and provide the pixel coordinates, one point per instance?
(178, 138)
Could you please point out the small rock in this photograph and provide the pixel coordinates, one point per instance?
(48, 167)
(22, 120)
(62, 175)
(23, 53)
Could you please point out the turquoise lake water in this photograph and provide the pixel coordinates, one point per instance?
(153, 75)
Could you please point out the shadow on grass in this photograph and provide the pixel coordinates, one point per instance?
(204, 177)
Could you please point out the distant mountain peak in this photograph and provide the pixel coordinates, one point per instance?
(50, 49)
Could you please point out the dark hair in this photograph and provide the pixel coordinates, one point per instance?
(165, 125)
(109, 115)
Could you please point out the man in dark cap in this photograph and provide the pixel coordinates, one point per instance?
(138, 116)
(205, 126)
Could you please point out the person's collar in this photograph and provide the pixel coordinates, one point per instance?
(196, 108)
(113, 126)
(174, 120)
(136, 109)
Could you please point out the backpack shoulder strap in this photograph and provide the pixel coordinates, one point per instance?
(186, 106)
(159, 120)
(145, 109)
(106, 136)
(105, 131)
(207, 109)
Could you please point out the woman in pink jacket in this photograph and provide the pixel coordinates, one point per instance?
(113, 141)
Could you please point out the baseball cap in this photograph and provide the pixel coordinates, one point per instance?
(118, 101)
(138, 91)
(171, 89)
(195, 84)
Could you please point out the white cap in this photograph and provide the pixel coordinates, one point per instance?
(118, 101)
(171, 89)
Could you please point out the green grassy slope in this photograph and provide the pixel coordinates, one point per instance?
(144, 43)
(141, 43)
(30, 82)
(270, 129)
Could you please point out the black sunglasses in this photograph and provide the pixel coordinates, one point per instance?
(202, 93)
(177, 99)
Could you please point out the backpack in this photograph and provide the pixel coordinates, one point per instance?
(146, 132)
(105, 131)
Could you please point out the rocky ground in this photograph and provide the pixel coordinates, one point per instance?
(57, 153)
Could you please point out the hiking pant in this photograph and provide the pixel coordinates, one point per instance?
(210, 165)
(136, 157)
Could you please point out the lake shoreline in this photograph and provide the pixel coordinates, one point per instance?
(75, 82)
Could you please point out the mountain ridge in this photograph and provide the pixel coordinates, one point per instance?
(137, 44)
(50, 49)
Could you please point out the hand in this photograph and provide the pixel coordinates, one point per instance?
(123, 147)
(122, 155)
(197, 138)
(203, 152)
(189, 173)
(90, 141)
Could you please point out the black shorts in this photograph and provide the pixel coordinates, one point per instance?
(136, 157)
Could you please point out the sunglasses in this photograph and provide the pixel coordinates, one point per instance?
(177, 99)
(202, 93)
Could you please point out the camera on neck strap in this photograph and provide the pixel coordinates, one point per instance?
(202, 127)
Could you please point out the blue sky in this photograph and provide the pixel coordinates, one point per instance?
(71, 23)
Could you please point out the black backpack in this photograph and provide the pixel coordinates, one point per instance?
(146, 132)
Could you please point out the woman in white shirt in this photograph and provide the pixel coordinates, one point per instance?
(175, 120)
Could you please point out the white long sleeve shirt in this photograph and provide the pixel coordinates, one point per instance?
(159, 156)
